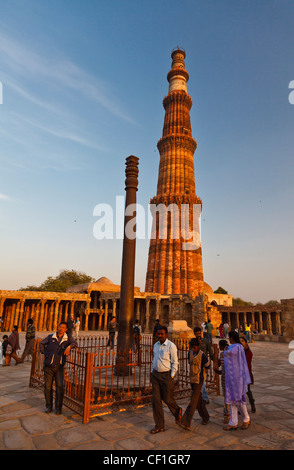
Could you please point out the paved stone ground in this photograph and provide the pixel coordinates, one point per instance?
(25, 426)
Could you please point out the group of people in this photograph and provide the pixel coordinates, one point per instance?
(223, 331)
(112, 328)
(73, 325)
(56, 348)
(207, 328)
(235, 367)
(234, 364)
(10, 345)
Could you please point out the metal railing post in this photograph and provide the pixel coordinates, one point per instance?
(34, 360)
(87, 389)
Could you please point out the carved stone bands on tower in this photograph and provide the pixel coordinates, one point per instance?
(172, 267)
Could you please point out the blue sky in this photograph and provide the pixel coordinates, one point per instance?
(83, 83)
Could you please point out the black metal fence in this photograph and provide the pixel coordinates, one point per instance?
(99, 380)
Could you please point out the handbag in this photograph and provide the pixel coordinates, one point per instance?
(9, 349)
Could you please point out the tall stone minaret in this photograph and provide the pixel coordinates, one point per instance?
(175, 256)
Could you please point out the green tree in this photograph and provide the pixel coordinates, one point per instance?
(220, 290)
(237, 302)
(272, 303)
(60, 283)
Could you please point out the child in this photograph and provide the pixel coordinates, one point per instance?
(223, 345)
(77, 326)
(198, 362)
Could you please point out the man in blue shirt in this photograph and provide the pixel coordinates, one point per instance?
(163, 370)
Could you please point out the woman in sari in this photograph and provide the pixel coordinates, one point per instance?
(221, 331)
(237, 381)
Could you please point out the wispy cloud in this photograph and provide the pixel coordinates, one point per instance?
(63, 133)
(4, 197)
(57, 71)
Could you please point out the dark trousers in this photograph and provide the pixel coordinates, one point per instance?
(250, 396)
(196, 402)
(111, 339)
(29, 349)
(163, 390)
(51, 374)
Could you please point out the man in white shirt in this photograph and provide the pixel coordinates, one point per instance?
(163, 370)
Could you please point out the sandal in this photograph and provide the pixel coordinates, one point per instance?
(187, 428)
(245, 425)
(230, 428)
(156, 430)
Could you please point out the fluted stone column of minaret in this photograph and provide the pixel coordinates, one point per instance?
(174, 265)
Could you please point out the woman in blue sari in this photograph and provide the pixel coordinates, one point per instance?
(237, 380)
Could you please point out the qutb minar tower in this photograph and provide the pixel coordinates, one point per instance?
(175, 256)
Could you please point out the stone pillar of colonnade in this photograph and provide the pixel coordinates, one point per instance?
(278, 322)
(56, 313)
(158, 308)
(260, 321)
(60, 308)
(2, 302)
(170, 309)
(138, 310)
(6, 313)
(147, 326)
(12, 318)
(114, 307)
(19, 313)
(40, 323)
(269, 323)
(50, 319)
(72, 307)
(105, 315)
(101, 312)
(66, 314)
(87, 313)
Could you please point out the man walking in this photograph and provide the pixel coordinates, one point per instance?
(30, 340)
(55, 347)
(12, 347)
(163, 370)
(209, 328)
(206, 348)
(198, 363)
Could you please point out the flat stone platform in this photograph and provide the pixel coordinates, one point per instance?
(25, 426)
